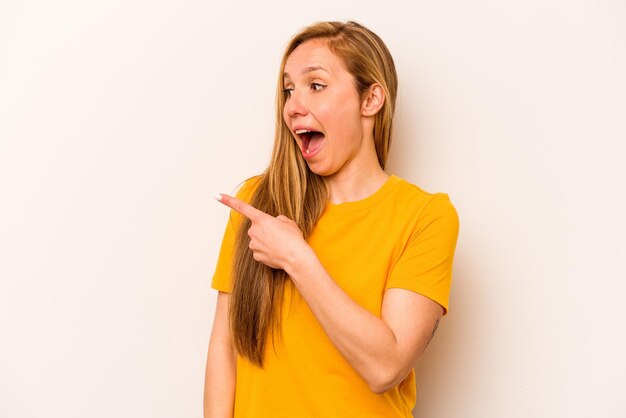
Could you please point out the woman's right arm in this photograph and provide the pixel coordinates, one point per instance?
(219, 383)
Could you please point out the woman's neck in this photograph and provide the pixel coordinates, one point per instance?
(357, 184)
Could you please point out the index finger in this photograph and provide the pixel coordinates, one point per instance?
(240, 206)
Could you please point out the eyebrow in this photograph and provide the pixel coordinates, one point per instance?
(309, 69)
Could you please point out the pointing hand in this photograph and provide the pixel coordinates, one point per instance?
(275, 241)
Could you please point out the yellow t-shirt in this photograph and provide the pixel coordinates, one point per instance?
(399, 237)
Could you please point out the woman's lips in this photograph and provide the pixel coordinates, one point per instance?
(312, 141)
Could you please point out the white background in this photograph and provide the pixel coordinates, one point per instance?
(120, 119)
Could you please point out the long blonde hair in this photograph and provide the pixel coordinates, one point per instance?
(288, 187)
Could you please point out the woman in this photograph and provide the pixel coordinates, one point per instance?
(332, 274)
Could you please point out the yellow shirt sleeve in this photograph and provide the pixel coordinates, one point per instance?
(222, 277)
(425, 265)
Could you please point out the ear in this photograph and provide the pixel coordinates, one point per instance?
(373, 100)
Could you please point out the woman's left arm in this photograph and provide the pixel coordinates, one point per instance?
(382, 350)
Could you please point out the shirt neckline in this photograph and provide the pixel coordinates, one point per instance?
(365, 203)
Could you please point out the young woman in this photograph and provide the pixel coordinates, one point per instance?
(332, 274)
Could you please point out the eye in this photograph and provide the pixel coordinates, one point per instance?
(287, 91)
(317, 86)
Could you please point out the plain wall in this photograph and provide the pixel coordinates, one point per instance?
(119, 120)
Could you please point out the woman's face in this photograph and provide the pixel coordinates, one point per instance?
(323, 109)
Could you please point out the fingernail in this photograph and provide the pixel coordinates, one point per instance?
(218, 197)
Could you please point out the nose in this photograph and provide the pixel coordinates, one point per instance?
(295, 105)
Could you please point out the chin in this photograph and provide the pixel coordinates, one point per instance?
(321, 171)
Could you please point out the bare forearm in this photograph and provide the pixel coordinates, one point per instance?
(219, 386)
(364, 339)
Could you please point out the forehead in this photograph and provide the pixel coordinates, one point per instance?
(312, 55)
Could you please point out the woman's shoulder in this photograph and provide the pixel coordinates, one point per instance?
(247, 187)
(415, 192)
(422, 200)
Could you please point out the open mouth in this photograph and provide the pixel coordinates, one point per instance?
(311, 140)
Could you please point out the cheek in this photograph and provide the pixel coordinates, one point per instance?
(346, 118)
(338, 112)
